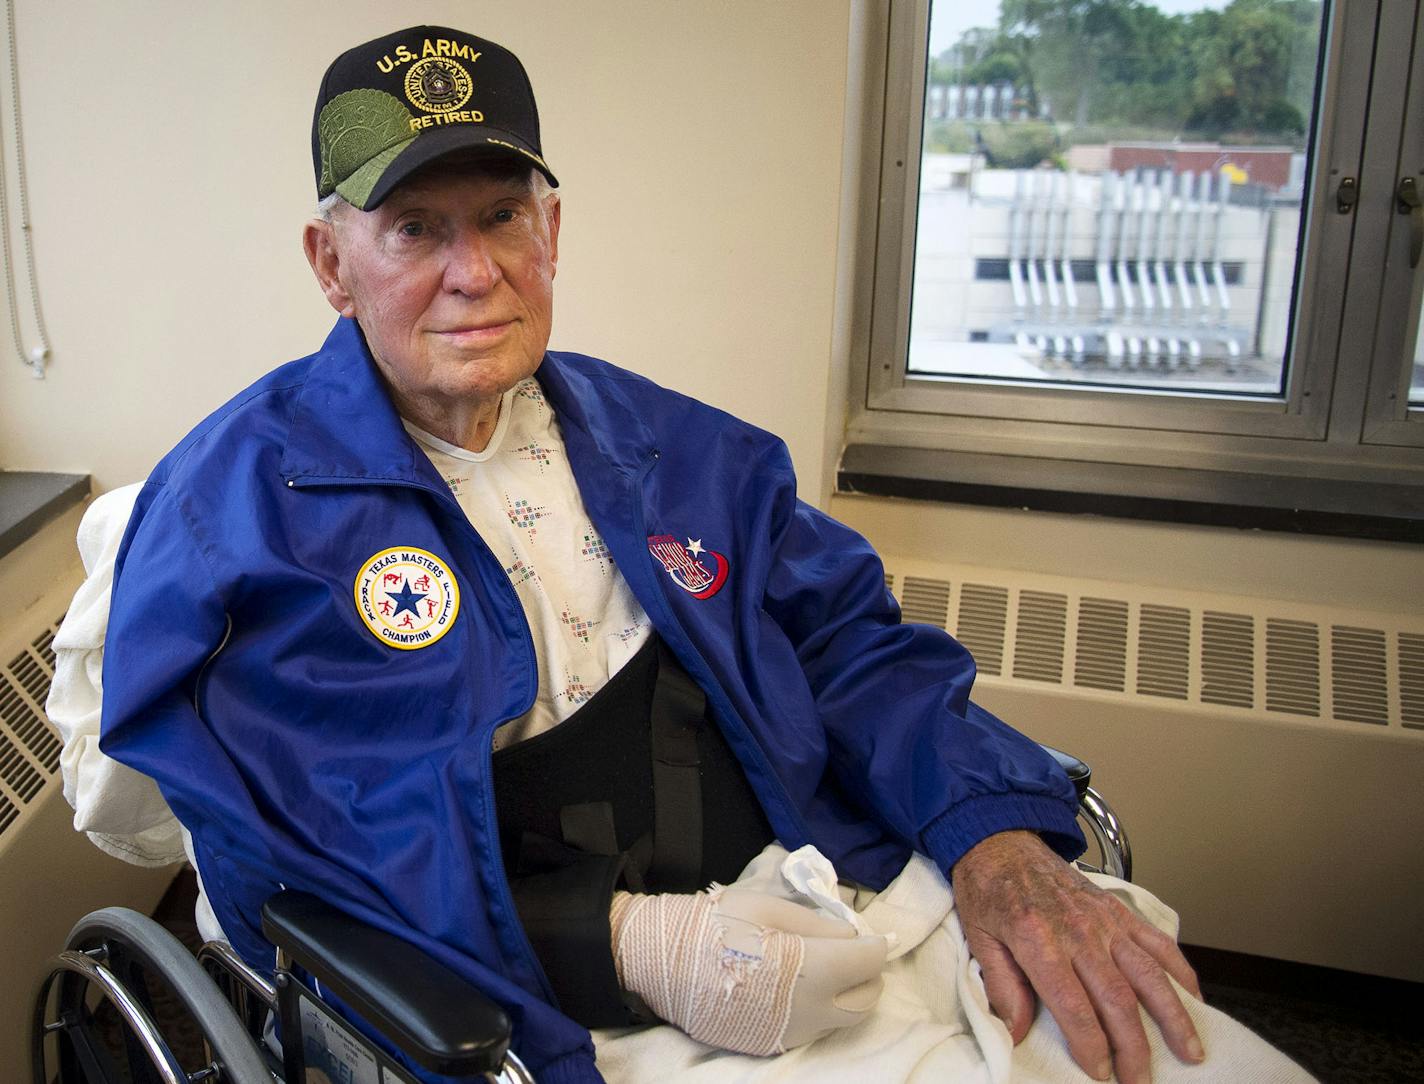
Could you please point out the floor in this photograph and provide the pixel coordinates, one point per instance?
(1344, 1027)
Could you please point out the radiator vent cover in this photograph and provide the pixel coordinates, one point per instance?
(1411, 679)
(1164, 651)
(925, 601)
(1101, 659)
(1038, 648)
(1359, 667)
(1228, 648)
(983, 617)
(29, 746)
(1292, 666)
(8, 813)
(1277, 659)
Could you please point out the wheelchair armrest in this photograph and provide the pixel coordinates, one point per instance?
(438, 1018)
(1079, 774)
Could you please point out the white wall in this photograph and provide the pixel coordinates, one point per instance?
(698, 145)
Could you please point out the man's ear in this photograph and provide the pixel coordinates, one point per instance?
(553, 216)
(319, 243)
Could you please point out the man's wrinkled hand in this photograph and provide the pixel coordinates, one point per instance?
(1034, 923)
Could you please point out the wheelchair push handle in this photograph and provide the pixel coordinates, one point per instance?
(1079, 774)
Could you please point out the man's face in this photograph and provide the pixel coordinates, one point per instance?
(451, 279)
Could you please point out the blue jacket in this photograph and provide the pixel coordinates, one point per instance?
(302, 751)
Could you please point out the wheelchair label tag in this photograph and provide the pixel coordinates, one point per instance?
(407, 597)
(333, 1055)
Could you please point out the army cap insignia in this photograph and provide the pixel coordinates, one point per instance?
(407, 597)
(438, 84)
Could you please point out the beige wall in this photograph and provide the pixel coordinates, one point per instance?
(699, 146)
(1330, 572)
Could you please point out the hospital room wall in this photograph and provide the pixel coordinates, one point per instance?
(703, 153)
(167, 145)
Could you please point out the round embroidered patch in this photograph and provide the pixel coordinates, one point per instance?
(407, 597)
(438, 84)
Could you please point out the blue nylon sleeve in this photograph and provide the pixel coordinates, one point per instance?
(165, 621)
(905, 739)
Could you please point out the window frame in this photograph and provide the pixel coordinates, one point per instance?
(1390, 419)
(1314, 429)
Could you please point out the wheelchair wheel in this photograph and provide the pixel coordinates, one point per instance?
(118, 953)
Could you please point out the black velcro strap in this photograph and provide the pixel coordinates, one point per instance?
(679, 707)
(564, 911)
(588, 827)
(639, 857)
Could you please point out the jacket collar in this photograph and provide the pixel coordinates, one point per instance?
(600, 425)
(345, 427)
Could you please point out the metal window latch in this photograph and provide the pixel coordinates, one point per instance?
(1346, 195)
(1408, 203)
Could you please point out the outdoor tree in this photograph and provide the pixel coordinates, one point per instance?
(1247, 69)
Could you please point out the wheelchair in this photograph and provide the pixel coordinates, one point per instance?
(433, 1016)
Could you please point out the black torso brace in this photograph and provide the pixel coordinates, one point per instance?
(637, 789)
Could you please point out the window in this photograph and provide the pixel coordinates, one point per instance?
(1166, 234)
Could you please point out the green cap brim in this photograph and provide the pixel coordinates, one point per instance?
(356, 189)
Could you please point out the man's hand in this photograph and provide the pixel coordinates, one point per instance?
(1034, 923)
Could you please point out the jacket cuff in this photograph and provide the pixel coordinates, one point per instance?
(952, 833)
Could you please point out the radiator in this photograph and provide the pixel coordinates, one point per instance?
(1247, 657)
(50, 875)
(1267, 756)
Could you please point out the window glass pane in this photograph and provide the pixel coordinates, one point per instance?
(1110, 191)
(1416, 384)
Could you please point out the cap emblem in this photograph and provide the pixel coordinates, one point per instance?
(407, 597)
(438, 84)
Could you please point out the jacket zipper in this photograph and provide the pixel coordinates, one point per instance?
(500, 880)
(208, 662)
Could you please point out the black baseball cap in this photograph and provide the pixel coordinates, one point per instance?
(393, 105)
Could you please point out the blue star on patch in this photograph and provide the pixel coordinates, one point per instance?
(406, 599)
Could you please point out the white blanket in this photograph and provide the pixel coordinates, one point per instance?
(121, 811)
(933, 1022)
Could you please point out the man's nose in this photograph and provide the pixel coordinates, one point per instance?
(471, 268)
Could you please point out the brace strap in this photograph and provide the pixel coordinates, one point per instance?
(679, 707)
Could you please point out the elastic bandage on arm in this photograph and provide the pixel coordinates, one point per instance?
(670, 950)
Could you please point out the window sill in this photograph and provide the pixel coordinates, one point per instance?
(1381, 511)
(30, 499)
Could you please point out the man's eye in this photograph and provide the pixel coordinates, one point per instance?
(506, 214)
(413, 229)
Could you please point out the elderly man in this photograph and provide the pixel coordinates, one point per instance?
(513, 652)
